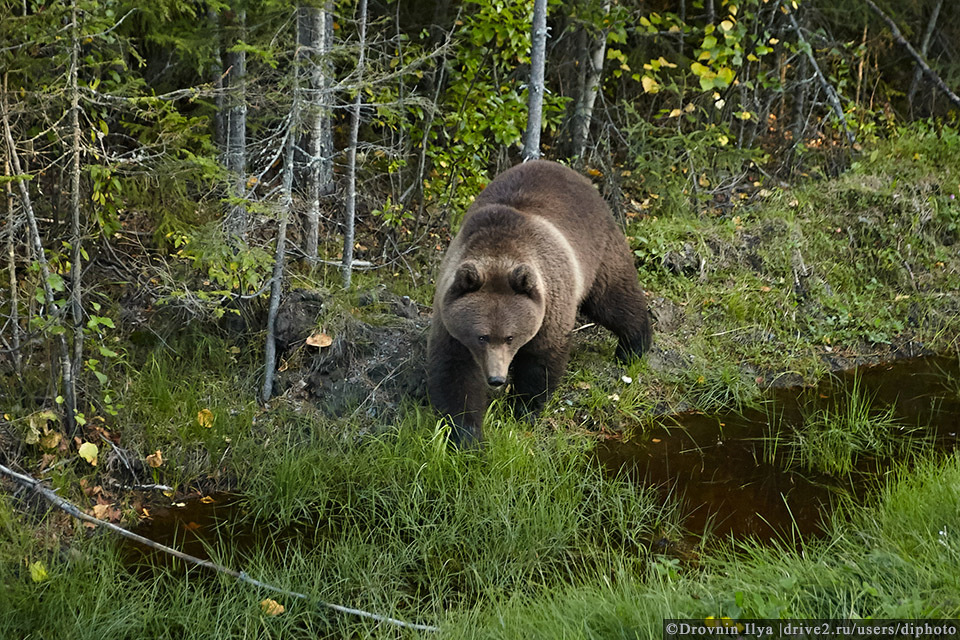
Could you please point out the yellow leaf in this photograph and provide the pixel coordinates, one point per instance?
(593, 172)
(665, 63)
(271, 607)
(154, 460)
(726, 25)
(205, 418)
(649, 85)
(207, 500)
(38, 573)
(51, 440)
(320, 340)
(676, 113)
(89, 451)
(100, 510)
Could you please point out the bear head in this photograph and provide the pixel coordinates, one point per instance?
(493, 309)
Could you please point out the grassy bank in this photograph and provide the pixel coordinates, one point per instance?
(531, 538)
(528, 540)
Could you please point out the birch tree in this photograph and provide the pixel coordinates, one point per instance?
(286, 208)
(538, 54)
(236, 222)
(316, 42)
(351, 206)
(583, 114)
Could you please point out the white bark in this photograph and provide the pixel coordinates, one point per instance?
(538, 52)
(237, 221)
(584, 112)
(316, 34)
(351, 208)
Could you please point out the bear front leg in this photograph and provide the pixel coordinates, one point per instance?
(456, 388)
(618, 304)
(536, 374)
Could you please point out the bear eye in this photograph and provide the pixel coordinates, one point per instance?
(484, 339)
(509, 339)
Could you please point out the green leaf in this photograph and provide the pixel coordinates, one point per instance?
(89, 452)
(38, 573)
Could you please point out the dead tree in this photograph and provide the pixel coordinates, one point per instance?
(68, 383)
(921, 63)
(76, 265)
(924, 48)
(280, 254)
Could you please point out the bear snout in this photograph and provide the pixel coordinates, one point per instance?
(496, 381)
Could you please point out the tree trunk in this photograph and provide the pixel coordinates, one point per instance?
(237, 222)
(76, 267)
(538, 45)
(924, 48)
(12, 262)
(921, 63)
(280, 256)
(66, 370)
(316, 36)
(584, 112)
(351, 208)
(216, 79)
(832, 96)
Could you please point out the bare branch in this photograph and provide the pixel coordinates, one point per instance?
(76, 512)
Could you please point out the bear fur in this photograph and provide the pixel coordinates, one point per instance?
(537, 245)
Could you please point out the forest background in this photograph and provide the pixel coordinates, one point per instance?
(173, 170)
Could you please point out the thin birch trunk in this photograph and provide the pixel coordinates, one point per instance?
(538, 52)
(237, 218)
(216, 79)
(351, 208)
(832, 96)
(589, 96)
(280, 256)
(924, 48)
(76, 266)
(319, 36)
(66, 370)
(12, 264)
(934, 77)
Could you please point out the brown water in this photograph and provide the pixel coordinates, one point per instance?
(732, 482)
(718, 465)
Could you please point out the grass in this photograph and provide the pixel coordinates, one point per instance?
(834, 438)
(524, 542)
(530, 538)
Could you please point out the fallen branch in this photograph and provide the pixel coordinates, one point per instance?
(76, 512)
(934, 77)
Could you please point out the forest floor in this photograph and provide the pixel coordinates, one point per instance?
(343, 487)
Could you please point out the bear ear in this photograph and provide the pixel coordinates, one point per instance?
(466, 280)
(523, 280)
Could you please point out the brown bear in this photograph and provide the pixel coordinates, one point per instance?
(538, 244)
